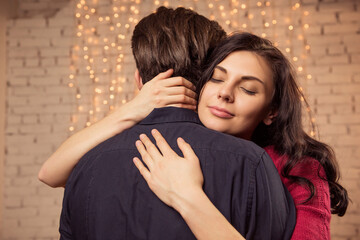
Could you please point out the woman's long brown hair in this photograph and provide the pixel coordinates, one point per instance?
(286, 133)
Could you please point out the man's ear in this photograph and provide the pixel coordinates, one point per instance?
(269, 119)
(138, 79)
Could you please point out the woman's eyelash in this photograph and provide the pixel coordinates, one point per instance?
(248, 91)
(215, 80)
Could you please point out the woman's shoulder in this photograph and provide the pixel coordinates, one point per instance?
(307, 167)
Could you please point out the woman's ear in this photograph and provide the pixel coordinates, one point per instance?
(138, 79)
(268, 120)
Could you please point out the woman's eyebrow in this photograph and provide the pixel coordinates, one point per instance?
(243, 77)
(221, 68)
(252, 78)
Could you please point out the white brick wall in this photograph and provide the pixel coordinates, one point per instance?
(40, 103)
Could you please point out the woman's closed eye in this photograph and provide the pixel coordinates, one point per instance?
(247, 91)
(216, 80)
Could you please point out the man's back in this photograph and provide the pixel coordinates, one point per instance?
(107, 198)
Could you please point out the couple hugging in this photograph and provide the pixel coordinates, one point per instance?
(211, 148)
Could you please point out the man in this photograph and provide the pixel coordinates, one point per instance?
(107, 198)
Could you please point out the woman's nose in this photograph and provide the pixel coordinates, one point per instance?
(226, 93)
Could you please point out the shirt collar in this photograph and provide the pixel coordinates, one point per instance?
(171, 114)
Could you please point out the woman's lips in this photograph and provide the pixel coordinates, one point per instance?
(220, 112)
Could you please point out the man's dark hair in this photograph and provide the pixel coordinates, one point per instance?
(177, 38)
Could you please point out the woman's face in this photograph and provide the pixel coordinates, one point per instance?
(238, 96)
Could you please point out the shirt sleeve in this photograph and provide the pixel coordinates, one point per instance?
(313, 217)
(65, 228)
(273, 210)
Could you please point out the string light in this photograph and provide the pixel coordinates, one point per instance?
(103, 56)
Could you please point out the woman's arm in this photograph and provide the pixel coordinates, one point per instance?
(178, 182)
(159, 92)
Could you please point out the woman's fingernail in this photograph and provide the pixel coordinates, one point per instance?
(154, 131)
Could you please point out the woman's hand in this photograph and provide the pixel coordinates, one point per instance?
(169, 176)
(163, 91)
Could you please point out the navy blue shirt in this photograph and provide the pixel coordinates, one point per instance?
(107, 198)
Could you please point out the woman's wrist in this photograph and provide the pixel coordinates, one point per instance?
(185, 202)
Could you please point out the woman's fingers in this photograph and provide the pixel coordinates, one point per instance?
(162, 143)
(186, 149)
(151, 149)
(144, 154)
(164, 75)
(181, 90)
(178, 81)
(142, 169)
(179, 99)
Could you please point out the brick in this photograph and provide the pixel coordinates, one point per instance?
(18, 32)
(35, 128)
(17, 101)
(60, 22)
(347, 89)
(36, 222)
(21, 191)
(48, 62)
(30, 119)
(63, 42)
(35, 42)
(351, 38)
(344, 230)
(349, 68)
(355, 129)
(321, 18)
(35, 71)
(344, 109)
(55, 52)
(29, 170)
(333, 99)
(58, 71)
(345, 119)
(10, 223)
(36, 201)
(63, 61)
(325, 109)
(327, 60)
(15, 63)
(22, 52)
(31, 23)
(46, 33)
(336, 49)
(333, 79)
(12, 202)
(60, 90)
(318, 89)
(324, 40)
(44, 81)
(21, 159)
(32, 62)
(336, 7)
(341, 28)
(44, 100)
(349, 17)
(355, 58)
(331, 130)
(17, 81)
(12, 119)
(30, 90)
(50, 211)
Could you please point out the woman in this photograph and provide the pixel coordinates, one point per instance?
(249, 91)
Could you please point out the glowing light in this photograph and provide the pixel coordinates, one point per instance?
(211, 5)
(71, 129)
(306, 26)
(243, 6)
(291, 27)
